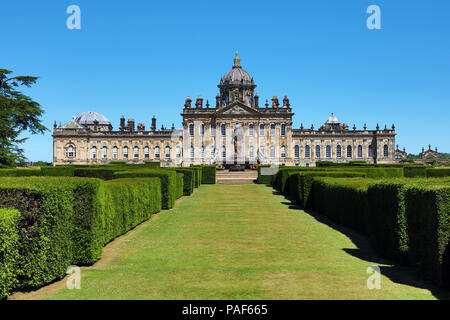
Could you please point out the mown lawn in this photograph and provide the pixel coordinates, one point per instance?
(239, 242)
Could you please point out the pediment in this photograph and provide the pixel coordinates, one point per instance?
(237, 108)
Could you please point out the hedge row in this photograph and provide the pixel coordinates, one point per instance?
(208, 174)
(65, 221)
(406, 219)
(438, 172)
(188, 179)
(19, 172)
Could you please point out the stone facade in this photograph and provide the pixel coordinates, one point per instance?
(236, 130)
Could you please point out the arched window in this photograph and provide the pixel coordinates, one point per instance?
(339, 152)
(328, 151)
(307, 152)
(70, 151)
(224, 152)
(318, 152)
(272, 151)
(283, 130)
(272, 130)
(360, 152)
(250, 130)
(349, 151)
(136, 152)
(283, 151)
(191, 130)
(370, 151)
(157, 152)
(104, 152)
(146, 152)
(251, 153)
(261, 129)
(125, 152)
(202, 152)
(223, 129)
(167, 153)
(191, 152)
(202, 129)
(297, 151)
(94, 152)
(178, 151)
(115, 152)
(386, 150)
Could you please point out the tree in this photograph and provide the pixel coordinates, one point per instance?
(18, 113)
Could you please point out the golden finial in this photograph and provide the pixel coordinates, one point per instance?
(237, 61)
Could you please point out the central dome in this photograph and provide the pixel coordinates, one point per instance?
(89, 118)
(237, 74)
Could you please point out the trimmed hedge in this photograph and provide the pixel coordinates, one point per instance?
(9, 250)
(198, 175)
(168, 182)
(58, 171)
(266, 178)
(20, 172)
(208, 174)
(428, 216)
(415, 171)
(101, 173)
(188, 179)
(129, 202)
(438, 172)
(180, 187)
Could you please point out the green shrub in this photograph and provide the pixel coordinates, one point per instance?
(117, 163)
(152, 164)
(387, 227)
(168, 182)
(9, 250)
(415, 171)
(208, 174)
(103, 173)
(428, 217)
(438, 172)
(188, 178)
(58, 171)
(180, 188)
(265, 178)
(198, 175)
(19, 172)
(129, 202)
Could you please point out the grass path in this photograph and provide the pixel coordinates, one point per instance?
(238, 242)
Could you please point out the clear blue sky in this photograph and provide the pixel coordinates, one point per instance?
(142, 58)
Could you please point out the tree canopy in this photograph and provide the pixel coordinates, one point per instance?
(18, 113)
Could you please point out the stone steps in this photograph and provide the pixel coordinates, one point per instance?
(236, 177)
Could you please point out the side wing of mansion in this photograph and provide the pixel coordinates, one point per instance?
(236, 130)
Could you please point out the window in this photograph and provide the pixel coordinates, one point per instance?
(349, 151)
(297, 151)
(370, 151)
(146, 152)
(136, 152)
(224, 152)
(261, 129)
(94, 152)
(223, 129)
(191, 130)
(70, 151)
(104, 153)
(262, 151)
(191, 152)
(250, 153)
(213, 151)
(115, 152)
(272, 151)
(250, 130)
(167, 153)
(283, 130)
(317, 151)
(307, 152)
(202, 152)
(328, 151)
(360, 151)
(213, 130)
(283, 151)
(202, 129)
(386, 150)
(339, 152)
(272, 130)
(125, 152)
(157, 152)
(178, 151)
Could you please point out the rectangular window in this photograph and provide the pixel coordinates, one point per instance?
(202, 130)
(283, 130)
(213, 130)
(223, 129)
(191, 130)
(261, 129)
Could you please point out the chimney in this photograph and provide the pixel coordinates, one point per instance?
(122, 123)
(199, 102)
(153, 127)
(141, 127)
(286, 102)
(256, 101)
(217, 101)
(187, 103)
(275, 102)
(131, 124)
